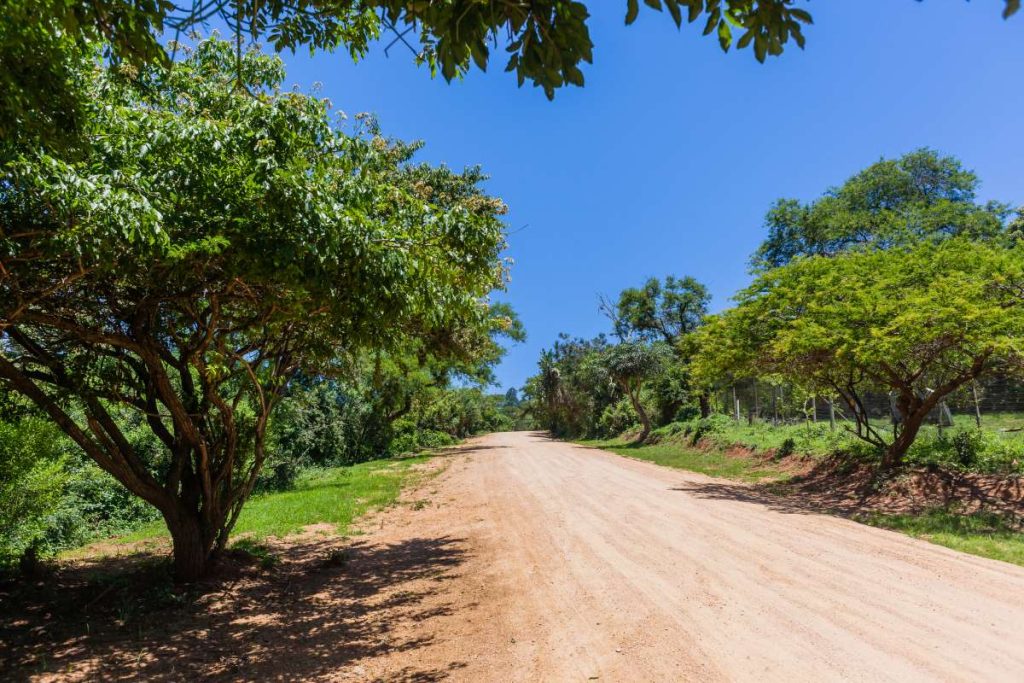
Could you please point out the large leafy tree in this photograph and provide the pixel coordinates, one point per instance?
(546, 40)
(668, 312)
(922, 195)
(207, 242)
(916, 322)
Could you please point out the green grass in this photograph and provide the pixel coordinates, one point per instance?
(683, 457)
(984, 534)
(336, 495)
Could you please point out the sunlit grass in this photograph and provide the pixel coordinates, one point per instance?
(680, 456)
(984, 534)
(336, 496)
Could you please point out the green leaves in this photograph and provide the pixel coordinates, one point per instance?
(909, 319)
(919, 196)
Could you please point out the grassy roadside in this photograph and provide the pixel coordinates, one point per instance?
(711, 463)
(335, 495)
(984, 534)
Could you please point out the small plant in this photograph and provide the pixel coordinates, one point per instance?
(967, 445)
(337, 557)
(259, 551)
(786, 449)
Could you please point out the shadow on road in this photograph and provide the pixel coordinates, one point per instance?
(319, 612)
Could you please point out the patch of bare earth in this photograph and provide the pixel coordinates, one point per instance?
(534, 560)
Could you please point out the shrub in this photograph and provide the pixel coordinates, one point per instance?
(967, 445)
(787, 448)
(32, 482)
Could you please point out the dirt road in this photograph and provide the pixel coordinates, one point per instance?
(579, 565)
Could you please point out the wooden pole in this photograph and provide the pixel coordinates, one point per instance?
(977, 403)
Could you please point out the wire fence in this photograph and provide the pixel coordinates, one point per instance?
(993, 403)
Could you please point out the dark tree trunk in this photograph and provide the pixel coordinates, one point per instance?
(193, 549)
(705, 405)
(892, 458)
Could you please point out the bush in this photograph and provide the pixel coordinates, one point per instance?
(706, 426)
(967, 445)
(32, 483)
(279, 476)
(618, 418)
(93, 505)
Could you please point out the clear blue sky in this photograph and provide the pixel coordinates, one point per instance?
(667, 160)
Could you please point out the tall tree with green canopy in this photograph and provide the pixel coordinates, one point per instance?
(668, 312)
(915, 322)
(922, 195)
(206, 243)
(546, 40)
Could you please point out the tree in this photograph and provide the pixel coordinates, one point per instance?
(894, 202)
(916, 322)
(208, 243)
(631, 365)
(546, 40)
(573, 387)
(669, 312)
(666, 311)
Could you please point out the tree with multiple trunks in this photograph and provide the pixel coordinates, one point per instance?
(916, 322)
(207, 240)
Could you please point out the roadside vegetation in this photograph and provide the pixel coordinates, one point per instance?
(990, 535)
(334, 496)
(711, 463)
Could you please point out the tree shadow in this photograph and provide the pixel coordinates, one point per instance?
(321, 611)
(757, 495)
(849, 490)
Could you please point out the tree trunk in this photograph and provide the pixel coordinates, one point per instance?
(892, 458)
(192, 548)
(705, 404)
(645, 420)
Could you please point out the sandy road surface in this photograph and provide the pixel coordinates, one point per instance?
(582, 565)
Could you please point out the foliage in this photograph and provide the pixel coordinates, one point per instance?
(894, 202)
(631, 365)
(573, 387)
(919, 322)
(211, 242)
(546, 40)
(658, 311)
(582, 384)
(32, 480)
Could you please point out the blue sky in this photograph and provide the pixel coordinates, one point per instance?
(667, 160)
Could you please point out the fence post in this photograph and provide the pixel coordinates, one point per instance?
(977, 403)
(831, 415)
(735, 403)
